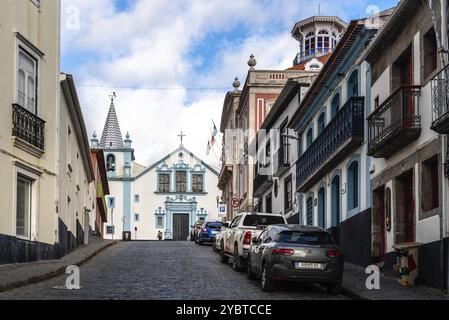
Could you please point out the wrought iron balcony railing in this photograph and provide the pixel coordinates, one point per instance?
(310, 54)
(395, 123)
(440, 101)
(342, 135)
(28, 127)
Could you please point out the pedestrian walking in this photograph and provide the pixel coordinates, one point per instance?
(159, 236)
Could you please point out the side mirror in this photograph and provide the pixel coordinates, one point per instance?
(255, 240)
(225, 225)
(192, 226)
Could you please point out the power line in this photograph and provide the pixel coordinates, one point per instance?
(153, 88)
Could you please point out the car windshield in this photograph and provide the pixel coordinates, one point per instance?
(306, 238)
(213, 225)
(260, 220)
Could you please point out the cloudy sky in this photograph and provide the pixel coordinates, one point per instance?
(171, 62)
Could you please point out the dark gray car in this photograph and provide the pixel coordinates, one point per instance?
(296, 253)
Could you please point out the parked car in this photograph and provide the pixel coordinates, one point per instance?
(296, 253)
(219, 237)
(194, 230)
(236, 240)
(208, 232)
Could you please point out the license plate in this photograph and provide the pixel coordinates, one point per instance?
(214, 232)
(308, 266)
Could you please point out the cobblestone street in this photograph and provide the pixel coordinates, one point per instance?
(162, 270)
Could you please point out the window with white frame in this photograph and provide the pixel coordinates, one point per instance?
(197, 182)
(27, 81)
(110, 229)
(136, 217)
(164, 182)
(23, 206)
(310, 44)
(137, 198)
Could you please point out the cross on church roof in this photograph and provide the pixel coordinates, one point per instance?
(113, 96)
(182, 135)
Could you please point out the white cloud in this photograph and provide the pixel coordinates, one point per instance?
(148, 45)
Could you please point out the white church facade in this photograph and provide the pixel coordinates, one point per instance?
(168, 196)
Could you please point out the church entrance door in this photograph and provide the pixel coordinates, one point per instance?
(180, 227)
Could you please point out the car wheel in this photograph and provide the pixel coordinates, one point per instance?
(333, 288)
(200, 242)
(223, 257)
(249, 271)
(236, 265)
(266, 282)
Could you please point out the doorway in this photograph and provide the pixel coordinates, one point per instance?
(405, 213)
(381, 219)
(180, 226)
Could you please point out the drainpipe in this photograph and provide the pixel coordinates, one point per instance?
(445, 147)
(439, 32)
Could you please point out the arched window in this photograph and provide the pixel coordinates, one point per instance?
(310, 44)
(353, 85)
(335, 106)
(336, 201)
(321, 122)
(353, 186)
(322, 208)
(309, 137)
(310, 211)
(323, 45)
(110, 163)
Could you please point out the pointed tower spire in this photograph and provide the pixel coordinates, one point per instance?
(112, 136)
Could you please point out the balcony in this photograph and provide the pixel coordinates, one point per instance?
(395, 123)
(340, 138)
(28, 129)
(440, 102)
(261, 181)
(310, 54)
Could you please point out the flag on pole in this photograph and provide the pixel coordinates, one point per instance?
(215, 130)
(208, 148)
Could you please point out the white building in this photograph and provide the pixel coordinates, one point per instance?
(168, 196)
(77, 192)
(407, 170)
(275, 188)
(332, 172)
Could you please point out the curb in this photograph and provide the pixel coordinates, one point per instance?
(52, 274)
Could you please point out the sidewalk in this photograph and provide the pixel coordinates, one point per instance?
(18, 275)
(354, 286)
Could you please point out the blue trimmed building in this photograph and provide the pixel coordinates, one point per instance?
(332, 171)
(168, 196)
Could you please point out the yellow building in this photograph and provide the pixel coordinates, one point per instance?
(31, 138)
